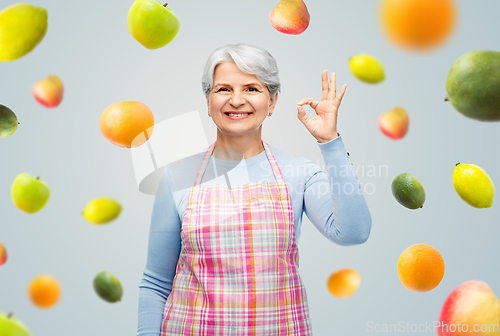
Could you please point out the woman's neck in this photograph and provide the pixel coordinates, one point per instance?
(239, 147)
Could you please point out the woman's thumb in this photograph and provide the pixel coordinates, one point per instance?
(301, 114)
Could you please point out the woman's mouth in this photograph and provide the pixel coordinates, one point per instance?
(237, 116)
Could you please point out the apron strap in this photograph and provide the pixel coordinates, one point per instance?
(206, 158)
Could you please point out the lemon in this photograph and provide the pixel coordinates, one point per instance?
(102, 210)
(22, 28)
(367, 68)
(473, 185)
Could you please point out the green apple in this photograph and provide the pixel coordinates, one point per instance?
(22, 28)
(152, 24)
(29, 194)
(11, 326)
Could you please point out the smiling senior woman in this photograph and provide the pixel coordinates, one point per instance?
(231, 265)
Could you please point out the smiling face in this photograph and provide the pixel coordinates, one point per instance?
(235, 91)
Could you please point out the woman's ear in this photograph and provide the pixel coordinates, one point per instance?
(272, 102)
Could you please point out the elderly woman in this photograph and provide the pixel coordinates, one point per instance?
(222, 257)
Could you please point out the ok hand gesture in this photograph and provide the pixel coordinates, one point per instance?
(324, 125)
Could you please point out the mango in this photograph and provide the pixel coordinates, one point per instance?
(49, 91)
(473, 85)
(290, 17)
(8, 122)
(394, 123)
(22, 28)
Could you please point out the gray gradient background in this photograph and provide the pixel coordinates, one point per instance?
(89, 47)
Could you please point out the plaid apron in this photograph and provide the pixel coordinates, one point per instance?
(238, 269)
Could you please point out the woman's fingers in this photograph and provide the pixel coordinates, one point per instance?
(302, 115)
(333, 87)
(324, 85)
(340, 95)
(301, 112)
(310, 101)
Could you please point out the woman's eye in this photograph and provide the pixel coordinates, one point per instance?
(252, 88)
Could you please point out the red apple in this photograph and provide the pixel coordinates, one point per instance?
(290, 17)
(394, 123)
(471, 308)
(3, 254)
(49, 91)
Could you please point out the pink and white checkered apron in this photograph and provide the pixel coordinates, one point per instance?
(238, 269)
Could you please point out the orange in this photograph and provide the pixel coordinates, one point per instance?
(343, 283)
(44, 291)
(127, 124)
(420, 268)
(418, 25)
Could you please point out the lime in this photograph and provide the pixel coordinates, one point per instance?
(367, 68)
(408, 191)
(108, 287)
(473, 185)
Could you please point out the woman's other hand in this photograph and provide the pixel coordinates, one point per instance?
(324, 125)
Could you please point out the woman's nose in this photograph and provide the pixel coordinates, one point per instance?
(237, 98)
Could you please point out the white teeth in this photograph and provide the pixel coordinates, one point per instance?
(237, 114)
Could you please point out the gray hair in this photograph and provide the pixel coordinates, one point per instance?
(249, 59)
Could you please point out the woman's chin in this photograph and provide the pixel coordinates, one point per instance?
(238, 130)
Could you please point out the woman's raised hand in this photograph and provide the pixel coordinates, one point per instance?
(324, 125)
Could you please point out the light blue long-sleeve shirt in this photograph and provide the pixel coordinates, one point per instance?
(333, 202)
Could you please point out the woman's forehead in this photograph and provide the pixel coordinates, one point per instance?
(230, 71)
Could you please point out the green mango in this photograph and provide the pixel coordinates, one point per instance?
(473, 85)
(22, 28)
(8, 122)
(408, 191)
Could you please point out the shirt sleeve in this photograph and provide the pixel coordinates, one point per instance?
(333, 200)
(164, 247)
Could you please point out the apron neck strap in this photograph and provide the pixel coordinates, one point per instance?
(206, 158)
